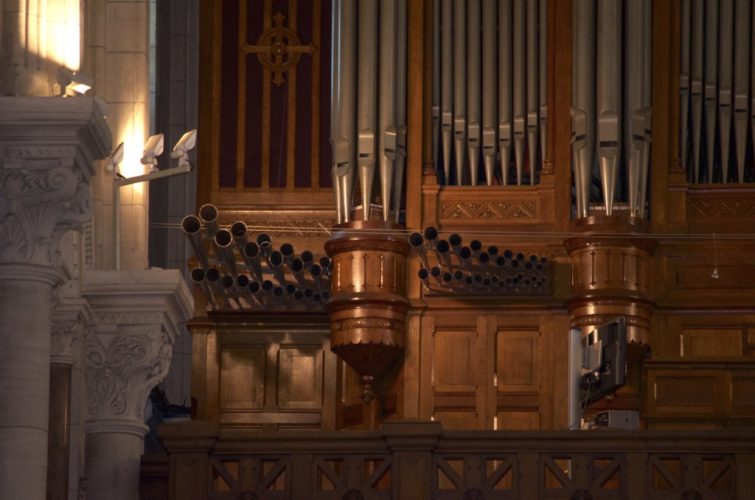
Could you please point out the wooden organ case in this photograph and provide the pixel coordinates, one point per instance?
(676, 257)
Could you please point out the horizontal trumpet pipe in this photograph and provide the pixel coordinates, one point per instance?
(223, 240)
(191, 226)
(208, 213)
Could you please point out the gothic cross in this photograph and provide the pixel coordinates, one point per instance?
(279, 49)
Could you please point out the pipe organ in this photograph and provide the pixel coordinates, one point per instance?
(717, 90)
(489, 76)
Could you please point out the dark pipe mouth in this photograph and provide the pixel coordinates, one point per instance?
(454, 240)
(500, 261)
(483, 258)
(468, 280)
(316, 270)
(208, 212)
(254, 287)
(263, 240)
(475, 245)
(458, 275)
(306, 256)
(508, 254)
(492, 250)
(423, 273)
(465, 253)
(228, 281)
(308, 292)
(416, 239)
(223, 237)
(325, 295)
(290, 289)
(267, 285)
(276, 258)
(447, 277)
(278, 291)
(325, 262)
(443, 246)
(251, 250)
(242, 280)
(197, 274)
(213, 274)
(287, 249)
(297, 265)
(238, 229)
(435, 271)
(191, 224)
(520, 256)
(317, 297)
(431, 233)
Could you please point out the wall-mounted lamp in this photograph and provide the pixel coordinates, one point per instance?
(152, 149)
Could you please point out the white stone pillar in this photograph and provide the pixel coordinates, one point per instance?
(47, 146)
(137, 315)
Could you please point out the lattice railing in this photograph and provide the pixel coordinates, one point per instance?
(417, 459)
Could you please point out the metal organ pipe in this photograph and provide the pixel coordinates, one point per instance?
(343, 104)
(634, 123)
(741, 81)
(505, 79)
(609, 95)
(583, 103)
(532, 87)
(446, 88)
(696, 88)
(489, 96)
(460, 86)
(542, 11)
(684, 77)
(725, 80)
(520, 96)
(474, 55)
(709, 93)
(400, 68)
(367, 78)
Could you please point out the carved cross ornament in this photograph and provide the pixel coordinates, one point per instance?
(279, 49)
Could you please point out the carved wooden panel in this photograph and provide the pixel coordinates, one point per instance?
(455, 361)
(712, 342)
(689, 393)
(518, 420)
(517, 361)
(300, 377)
(743, 393)
(242, 378)
(725, 209)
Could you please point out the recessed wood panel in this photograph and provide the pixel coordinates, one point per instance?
(300, 377)
(518, 420)
(455, 366)
(743, 393)
(681, 393)
(457, 420)
(242, 378)
(712, 342)
(516, 360)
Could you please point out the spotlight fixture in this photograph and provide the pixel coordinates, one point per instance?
(152, 149)
(74, 83)
(115, 159)
(185, 144)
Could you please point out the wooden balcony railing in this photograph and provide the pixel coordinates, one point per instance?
(418, 460)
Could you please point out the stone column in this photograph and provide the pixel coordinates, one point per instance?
(47, 146)
(137, 317)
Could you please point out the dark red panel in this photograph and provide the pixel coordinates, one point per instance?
(229, 93)
(303, 167)
(325, 149)
(253, 131)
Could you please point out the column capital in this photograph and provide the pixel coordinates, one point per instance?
(136, 317)
(47, 149)
(71, 320)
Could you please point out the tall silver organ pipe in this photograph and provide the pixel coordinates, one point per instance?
(367, 104)
(725, 79)
(696, 87)
(684, 78)
(741, 81)
(398, 174)
(460, 86)
(505, 72)
(609, 96)
(634, 87)
(436, 81)
(368, 86)
(343, 81)
(543, 89)
(474, 54)
(532, 86)
(447, 85)
(583, 102)
(520, 96)
(387, 145)
(709, 92)
(489, 92)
